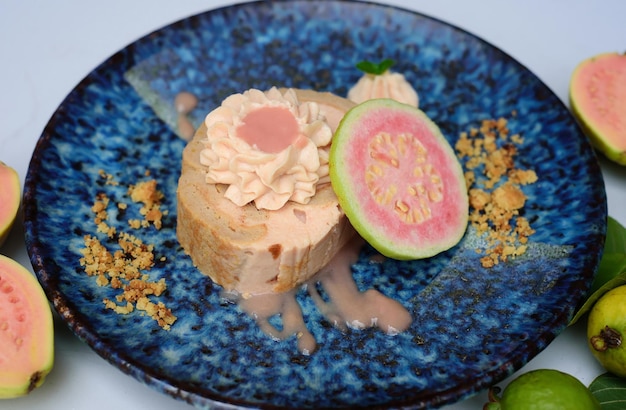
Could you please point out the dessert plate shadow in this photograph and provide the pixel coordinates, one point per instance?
(472, 326)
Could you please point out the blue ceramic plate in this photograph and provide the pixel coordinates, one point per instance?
(472, 326)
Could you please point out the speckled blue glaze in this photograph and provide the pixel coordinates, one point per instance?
(472, 327)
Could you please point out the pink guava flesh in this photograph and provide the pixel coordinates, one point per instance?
(399, 180)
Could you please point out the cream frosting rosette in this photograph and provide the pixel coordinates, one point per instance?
(386, 85)
(268, 147)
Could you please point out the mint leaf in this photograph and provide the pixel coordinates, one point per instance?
(612, 268)
(610, 391)
(376, 69)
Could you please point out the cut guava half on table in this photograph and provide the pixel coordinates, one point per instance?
(598, 101)
(398, 180)
(26, 331)
(10, 194)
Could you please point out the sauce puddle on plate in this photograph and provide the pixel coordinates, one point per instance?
(185, 103)
(346, 307)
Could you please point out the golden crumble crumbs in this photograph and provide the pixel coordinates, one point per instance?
(495, 206)
(147, 193)
(110, 179)
(124, 268)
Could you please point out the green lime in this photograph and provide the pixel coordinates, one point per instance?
(545, 389)
(606, 326)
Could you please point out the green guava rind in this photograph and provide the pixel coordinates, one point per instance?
(609, 310)
(23, 368)
(547, 389)
(10, 194)
(351, 195)
(610, 142)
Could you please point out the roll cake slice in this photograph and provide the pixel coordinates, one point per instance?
(253, 251)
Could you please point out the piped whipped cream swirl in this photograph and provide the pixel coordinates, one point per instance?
(386, 85)
(268, 147)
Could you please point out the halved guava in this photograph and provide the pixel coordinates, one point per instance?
(398, 180)
(9, 199)
(26, 331)
(598, 100)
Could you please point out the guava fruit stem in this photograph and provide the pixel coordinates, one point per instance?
(608, 338)
(494, 399)
(35, 380)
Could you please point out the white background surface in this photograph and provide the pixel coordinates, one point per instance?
(47, 47)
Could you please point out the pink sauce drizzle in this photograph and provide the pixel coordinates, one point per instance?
(184, 103)
(264, 307)
(350, 307)
(277, 123)
(347, 307)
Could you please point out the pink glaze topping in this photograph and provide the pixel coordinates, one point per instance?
(269, 129)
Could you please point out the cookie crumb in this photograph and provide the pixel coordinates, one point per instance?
(494, 187)
(109, 178)
(124, 268)
(147, 193)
